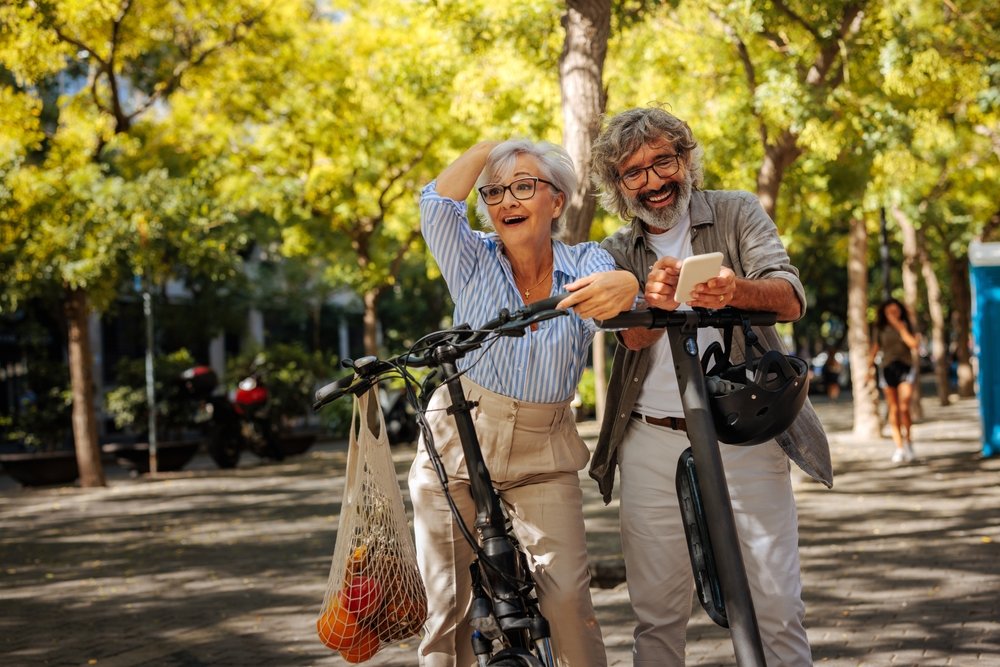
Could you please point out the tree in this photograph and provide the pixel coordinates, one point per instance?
(581, 67)
(89, 204)
(341, 150)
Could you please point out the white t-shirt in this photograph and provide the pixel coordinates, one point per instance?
(660, 395)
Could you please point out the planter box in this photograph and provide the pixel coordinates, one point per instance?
(171, 455)
(41, 468)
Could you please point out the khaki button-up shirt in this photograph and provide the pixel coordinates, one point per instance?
(735, 224)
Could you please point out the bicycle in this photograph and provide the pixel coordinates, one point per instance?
(509, 629)
(707, 512)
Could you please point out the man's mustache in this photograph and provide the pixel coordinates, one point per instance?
(671, 188)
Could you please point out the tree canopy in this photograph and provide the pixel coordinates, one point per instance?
(172, 140)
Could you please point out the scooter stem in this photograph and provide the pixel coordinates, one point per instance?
(715, 494)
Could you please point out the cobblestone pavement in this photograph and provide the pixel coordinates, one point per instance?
(901, 564)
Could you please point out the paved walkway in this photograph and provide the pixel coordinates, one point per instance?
(209, 567)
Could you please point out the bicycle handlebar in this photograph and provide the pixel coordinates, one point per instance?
(369, 370)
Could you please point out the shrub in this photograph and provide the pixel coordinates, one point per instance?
(41, 419)
(586, 394)
(126, 404)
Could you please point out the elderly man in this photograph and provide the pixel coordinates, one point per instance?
(648, 166)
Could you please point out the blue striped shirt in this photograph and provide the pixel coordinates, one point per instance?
(543, 366)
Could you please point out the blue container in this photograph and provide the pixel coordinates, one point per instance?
(984, 264)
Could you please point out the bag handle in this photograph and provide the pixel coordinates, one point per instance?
(368, 426)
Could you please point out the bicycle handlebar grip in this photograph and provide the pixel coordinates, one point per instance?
(332, 391)
(545, 304)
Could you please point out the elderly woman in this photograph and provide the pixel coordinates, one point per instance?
(523, 387)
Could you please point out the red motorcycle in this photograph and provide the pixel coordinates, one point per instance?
(234, 426)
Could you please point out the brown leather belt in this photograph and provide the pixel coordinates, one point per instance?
(676, 423)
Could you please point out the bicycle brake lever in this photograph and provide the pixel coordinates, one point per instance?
(539, 311)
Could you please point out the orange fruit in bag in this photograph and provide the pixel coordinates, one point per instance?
(337, 627)
(366, 644)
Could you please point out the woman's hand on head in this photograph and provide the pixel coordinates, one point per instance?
(601, 295)
(457, 179)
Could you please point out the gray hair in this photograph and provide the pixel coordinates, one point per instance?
(553, 161)
(626, 133)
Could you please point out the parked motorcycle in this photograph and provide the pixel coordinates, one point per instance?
(253, 405)
(234, 426)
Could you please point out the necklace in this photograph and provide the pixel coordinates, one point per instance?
(527, 292)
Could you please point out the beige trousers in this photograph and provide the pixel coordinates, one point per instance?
(533, 453)
(660, 582)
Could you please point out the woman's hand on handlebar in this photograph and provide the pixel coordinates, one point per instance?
(601, 295)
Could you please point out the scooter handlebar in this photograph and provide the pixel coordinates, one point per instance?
(655, 318)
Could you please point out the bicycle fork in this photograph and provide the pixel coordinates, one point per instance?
(509, 607)
(505, 615)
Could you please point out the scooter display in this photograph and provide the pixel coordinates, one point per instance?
(234, 426)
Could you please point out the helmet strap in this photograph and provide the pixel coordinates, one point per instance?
(752, 342)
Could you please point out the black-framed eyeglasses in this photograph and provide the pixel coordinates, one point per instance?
(664, 167)
(522, 188)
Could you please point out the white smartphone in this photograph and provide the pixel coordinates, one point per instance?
(694, 270)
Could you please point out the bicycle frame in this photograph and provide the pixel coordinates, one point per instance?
(710, 489)
(504, 603)
(495, 583)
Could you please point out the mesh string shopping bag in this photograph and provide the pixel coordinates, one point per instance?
(374, 595)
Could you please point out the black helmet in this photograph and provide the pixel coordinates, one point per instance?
(754, 401)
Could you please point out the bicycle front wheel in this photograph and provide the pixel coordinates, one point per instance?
(514, 657)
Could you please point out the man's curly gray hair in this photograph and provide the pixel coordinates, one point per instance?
(626, 133)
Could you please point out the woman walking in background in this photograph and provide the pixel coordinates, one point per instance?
(894, 338)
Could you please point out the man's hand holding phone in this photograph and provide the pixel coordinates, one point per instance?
(700, 281)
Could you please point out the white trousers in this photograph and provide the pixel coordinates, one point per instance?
(657, 563)
(533, 453)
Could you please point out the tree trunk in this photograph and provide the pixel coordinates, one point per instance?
(371, 298)
(581, 69)
(581, 81)
(600, 379)
(991, 230)
(866, 423)
(777, 158)
(961, 316)
(88, 453)
(911, 297)
(939, 343)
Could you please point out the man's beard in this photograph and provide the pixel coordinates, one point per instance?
(662, 218)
